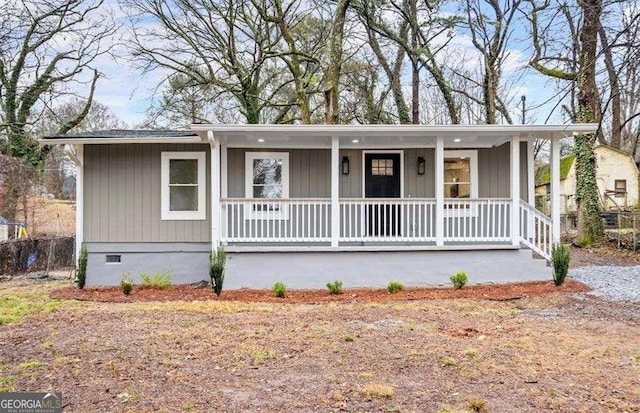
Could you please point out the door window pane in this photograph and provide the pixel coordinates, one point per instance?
(382, 167)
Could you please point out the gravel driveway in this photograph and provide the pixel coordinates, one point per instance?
(613, 283)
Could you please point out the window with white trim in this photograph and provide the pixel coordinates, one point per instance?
(460, 174)
(183, 185)
(267, 177)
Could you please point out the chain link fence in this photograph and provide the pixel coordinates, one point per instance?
(41, 255)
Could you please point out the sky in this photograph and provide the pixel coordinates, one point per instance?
(129, 93)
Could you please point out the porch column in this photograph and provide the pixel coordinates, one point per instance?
(439, 186)
(531, 184)
(335, 191)
(76, 153)
(555, 190)
(215, 191)
(515, 190)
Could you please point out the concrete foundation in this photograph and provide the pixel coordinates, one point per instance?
(376, 269)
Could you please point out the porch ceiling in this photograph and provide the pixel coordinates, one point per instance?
(381, 136)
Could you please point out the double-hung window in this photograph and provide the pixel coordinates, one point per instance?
(460, 182)
(460, 174)
(267, 178)
(183, 185)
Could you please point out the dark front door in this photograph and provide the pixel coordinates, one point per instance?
(382, 180)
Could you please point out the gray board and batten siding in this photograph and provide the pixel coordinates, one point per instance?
(310, 173)
(122, 195)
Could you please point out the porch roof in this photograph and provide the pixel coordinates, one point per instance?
(382, 136)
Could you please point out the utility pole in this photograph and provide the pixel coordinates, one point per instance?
(523, 98)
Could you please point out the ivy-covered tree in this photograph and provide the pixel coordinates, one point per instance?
(45, 46)
(581, 70)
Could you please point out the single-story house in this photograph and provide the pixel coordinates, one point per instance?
(616, 177)
(307, 204)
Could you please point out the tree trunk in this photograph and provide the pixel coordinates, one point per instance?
(331, 94)
(588, 207)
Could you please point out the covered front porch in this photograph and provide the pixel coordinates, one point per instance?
(456, 187)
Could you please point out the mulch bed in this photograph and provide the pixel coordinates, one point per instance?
(500, 292)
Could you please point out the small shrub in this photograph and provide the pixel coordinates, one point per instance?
(459, 279)
(378, 390)
(81, 276)
(335, 287)
(470, 352)
(126, 283)
(478, 406)
(560, 256)
(349, 339)
(217, 262)
(159, 280)
(279, 290)
(448, 362)
(394, 287)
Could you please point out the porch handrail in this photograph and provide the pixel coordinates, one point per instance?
(535, 230)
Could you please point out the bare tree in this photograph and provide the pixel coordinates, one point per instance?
(219, 44)
(423, 32)
(490, 35)
(45, 46)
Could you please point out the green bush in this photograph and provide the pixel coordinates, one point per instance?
(81, 277)
(126, 283)
(459, 279)
(159, 280)
(560, 256)
(217, 261)
(335, 287)
(394, 287)
(279, 289)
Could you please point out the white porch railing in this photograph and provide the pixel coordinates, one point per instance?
(276, 220)
(387, 219)
(535, 230)
(477, 220)
(410, 220)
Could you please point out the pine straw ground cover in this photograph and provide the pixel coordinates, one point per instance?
(556, 352)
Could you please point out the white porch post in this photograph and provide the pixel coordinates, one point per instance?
(531, 184)
(78, 158)
(215, 191)
(515, 190)
(439, 186)
(335, 191)
(555, 190)
(223, 171)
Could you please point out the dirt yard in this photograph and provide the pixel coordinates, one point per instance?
(556, 352)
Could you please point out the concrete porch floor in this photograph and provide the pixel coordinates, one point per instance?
(298, 270)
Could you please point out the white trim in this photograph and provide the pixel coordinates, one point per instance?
(79, 160)
(382, 151)
(439, 188)
(216, 230)
(549, 131)
(515, 190)
(249, 157)
(224, 172)
(531, 183)
(335, 191)
(555, 191)
(201, 212)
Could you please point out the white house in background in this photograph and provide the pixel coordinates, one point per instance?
(314, 202)
(616, 176)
